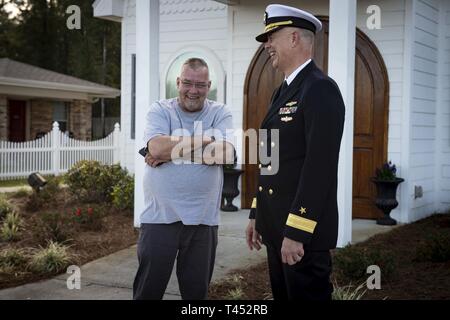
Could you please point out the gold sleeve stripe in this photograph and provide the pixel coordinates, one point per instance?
(277, 24)
(254, 203)
(297, 222)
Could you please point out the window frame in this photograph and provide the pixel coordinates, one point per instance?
(213, 62)
(55, 104)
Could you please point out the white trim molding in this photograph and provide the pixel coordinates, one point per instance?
(229, 2)
(147, 88)
(405, 189)
(341, 67)
(98, 91)
(108, 9)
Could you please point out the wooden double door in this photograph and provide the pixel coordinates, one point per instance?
(370, 115)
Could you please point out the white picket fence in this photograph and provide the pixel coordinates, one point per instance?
(55, 153)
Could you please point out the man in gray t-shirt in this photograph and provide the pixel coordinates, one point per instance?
(187, 142)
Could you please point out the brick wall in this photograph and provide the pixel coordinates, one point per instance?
(41, 117)
(80, 120)
(3, 118)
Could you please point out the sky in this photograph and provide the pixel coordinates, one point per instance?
(11, 9)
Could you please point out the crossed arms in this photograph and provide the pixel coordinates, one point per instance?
(198, 149)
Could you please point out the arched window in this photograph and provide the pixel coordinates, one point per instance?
(216, 74)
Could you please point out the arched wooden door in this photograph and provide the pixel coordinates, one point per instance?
(370, 122)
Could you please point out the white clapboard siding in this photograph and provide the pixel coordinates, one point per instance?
(54, 153)
(424, 96)
(199, 25)
(183, 24)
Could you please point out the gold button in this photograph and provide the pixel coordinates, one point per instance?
(270, 191)
(260, 188)
(260, 166)
(269, 168)
(262, 143)
(273, 144)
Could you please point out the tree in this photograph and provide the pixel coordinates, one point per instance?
(9, 42)
(39, 36)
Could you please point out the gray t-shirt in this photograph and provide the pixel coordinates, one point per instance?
(190, 193)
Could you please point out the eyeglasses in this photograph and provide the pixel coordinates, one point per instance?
(199, 85)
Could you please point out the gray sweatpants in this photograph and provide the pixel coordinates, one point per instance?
(194, 248)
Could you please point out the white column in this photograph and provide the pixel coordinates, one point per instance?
(147, 86)
(341, 67)
(441, 107)
(405, 193)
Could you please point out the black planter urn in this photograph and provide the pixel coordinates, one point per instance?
(386, 199)
(230, 188)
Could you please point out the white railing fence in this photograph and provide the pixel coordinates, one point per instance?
(55, 153)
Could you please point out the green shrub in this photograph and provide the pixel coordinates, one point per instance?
(90, 181)
(51, 188)
(123, 194)
(114, 174)
(385, 260)
(352, 262)
(10, 230)
(53, 226)
(89, 218)
(12, 258)
(54, 258)
(436, 248)
(5, 208)
(83, 180)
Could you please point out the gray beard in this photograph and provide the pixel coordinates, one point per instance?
(193, 106)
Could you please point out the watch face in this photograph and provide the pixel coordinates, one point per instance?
(143, 151)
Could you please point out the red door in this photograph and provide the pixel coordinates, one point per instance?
(17, 114)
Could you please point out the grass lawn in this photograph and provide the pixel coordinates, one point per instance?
(414, 260)
(13, 183)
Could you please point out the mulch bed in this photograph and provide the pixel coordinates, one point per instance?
(411, 279)
(116, 232)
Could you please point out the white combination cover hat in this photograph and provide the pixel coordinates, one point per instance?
(278, 16)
